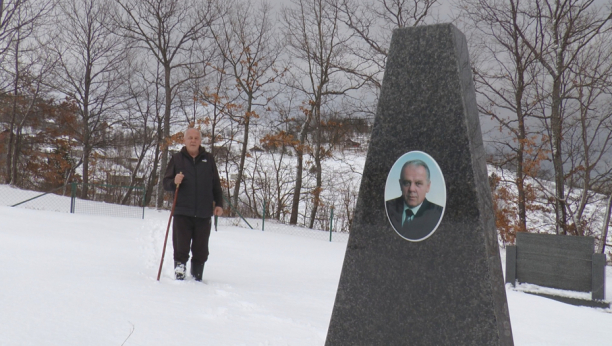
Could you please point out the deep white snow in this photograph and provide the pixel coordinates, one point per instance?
(70, 279)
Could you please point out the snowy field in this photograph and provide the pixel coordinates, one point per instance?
(71, 279)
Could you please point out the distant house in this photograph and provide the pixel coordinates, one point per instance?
(221, 151)
(351, 144)
(122, 180)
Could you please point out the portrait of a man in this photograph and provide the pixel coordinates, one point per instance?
(412, 215)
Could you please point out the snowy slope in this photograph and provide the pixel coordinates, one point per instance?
(70, 279)
(83, 280)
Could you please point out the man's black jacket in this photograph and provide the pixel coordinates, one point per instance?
(200, 186)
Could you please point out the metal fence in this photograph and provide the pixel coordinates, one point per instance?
(122, 201)
(128, 201)
(248, 217)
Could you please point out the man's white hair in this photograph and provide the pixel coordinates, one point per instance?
(192, 128)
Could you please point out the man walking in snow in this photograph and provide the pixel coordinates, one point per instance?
(194, 169)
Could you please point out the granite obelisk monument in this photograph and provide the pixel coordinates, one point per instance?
(422, 264)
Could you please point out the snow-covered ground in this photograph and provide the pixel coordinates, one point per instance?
(72, 279)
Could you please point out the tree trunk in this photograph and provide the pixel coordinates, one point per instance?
(316, 194)
(11, 145)
(243, 153)
(16, 154)
(295, 205)
(604, 228)
(125, 198)
(152, 181)
(279, 204)
(11, 148)
(166, 135)
(85, 187)
(86, 150)
(520, 173)
(556, 128)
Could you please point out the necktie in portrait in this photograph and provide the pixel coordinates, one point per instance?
(409, 216)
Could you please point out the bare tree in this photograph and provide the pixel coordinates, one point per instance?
(141, 122)
(588, 138)
(279, 141)
(372, 22)
(560, 32)
(22, 30)
(168, 30)
(90, 60)
(246, 41)
(16, 16)
(505, 72)
(604, 228)
(318, 42)
(545, 60)
(219, 104)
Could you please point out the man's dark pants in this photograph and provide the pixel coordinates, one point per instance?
(190, 232)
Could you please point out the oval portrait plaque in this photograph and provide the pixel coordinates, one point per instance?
(415, 196)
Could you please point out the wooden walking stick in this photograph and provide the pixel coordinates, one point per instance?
(161, 263)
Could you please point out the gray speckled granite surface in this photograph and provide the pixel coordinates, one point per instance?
(447, 289)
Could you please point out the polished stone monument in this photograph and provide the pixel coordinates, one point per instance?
(444, 288)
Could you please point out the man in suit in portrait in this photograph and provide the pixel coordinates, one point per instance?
(411, 214)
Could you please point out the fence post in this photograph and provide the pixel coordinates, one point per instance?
(331, 222)
(72, 196)
(263, 215)
(237, 212)
(144, 198)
